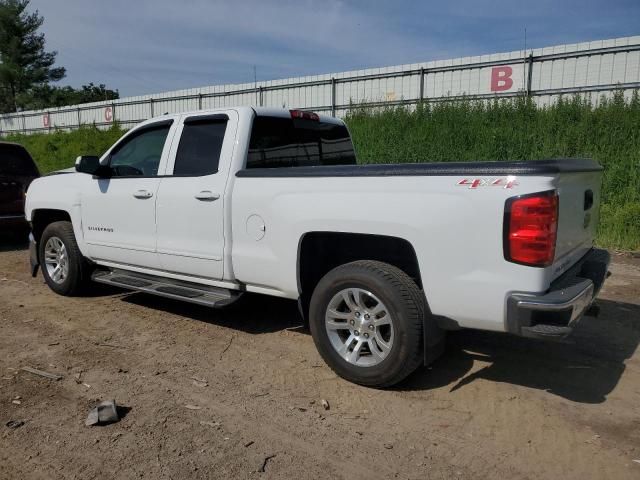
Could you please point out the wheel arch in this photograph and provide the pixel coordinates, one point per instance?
(42, 217)
(319, 252)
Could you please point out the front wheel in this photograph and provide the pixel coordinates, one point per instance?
(366, 320)
(63, 266)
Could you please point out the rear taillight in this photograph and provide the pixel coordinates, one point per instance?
(530, 229)
(306, 115)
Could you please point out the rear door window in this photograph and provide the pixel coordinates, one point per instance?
(200, 146)
(286, 142)
(14, 160)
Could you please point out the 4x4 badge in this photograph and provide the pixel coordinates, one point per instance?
(473, 183)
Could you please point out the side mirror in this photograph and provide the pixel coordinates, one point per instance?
(88, 164)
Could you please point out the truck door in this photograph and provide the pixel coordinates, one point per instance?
(119, 211)
(191, 200)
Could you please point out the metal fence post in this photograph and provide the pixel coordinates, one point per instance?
(529, 74)
(333, 97)
(261, 91)
(421, 84)
(151, 107)
(24, 124)
(78, 111)
(200, 101)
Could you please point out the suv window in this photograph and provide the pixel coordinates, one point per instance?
(140, 153)
(14, 160)
(286, 142)
(200, 145)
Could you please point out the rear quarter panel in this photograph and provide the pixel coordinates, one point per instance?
(456, 232)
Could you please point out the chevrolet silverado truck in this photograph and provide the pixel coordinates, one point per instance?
(382, 259)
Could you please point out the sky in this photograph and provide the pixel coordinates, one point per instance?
(150, 46)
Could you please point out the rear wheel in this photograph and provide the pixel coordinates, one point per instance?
(64, 268)
(366, 319)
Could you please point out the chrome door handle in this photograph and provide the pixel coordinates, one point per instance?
(143, 194)
(207, 195)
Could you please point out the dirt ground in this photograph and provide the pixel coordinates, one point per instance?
(237, 394)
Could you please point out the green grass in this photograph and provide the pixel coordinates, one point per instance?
(59, 149)
(468, 130)
(464, 130)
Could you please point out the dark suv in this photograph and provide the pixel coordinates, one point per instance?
(17, 171)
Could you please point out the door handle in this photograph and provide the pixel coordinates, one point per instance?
(207, 195)
(143, 194)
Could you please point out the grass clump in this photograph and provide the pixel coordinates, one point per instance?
(59, 149)
(518, 129)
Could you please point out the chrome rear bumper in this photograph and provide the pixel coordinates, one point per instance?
(555, 313)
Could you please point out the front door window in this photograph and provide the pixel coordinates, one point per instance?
(140, 153)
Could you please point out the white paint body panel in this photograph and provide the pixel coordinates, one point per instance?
(455, 231)
(118, 226)
(574, 240)
(59, 192)
(191, 231)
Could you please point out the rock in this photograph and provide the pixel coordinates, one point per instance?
(325, 404)
(13, 424)
(262, 469)
(103, 414)
(388, 446)
(209, 424)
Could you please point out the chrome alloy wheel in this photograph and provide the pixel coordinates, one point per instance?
(56, 260)
(359, 326)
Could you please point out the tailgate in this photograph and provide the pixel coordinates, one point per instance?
(579, 207)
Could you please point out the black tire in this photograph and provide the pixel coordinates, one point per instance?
(402, 297)
(78, 269)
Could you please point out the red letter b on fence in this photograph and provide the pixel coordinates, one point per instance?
(501, 79)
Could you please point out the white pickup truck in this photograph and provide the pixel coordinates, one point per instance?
(383, 259)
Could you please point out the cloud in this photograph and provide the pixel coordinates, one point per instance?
(146, 46)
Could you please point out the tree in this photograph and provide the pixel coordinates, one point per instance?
(26, 69)
(24, 63)
(46, 96)
(96, 93)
